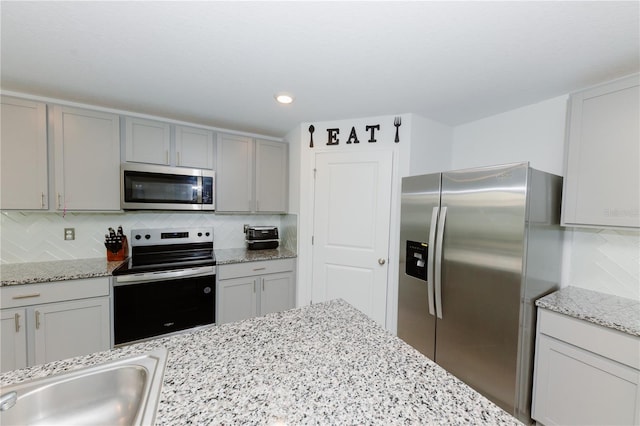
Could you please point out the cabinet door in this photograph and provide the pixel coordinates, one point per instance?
(87, 159)
(67, 329)
(23, 155)
(147, 141)
(601, 186)
(13, 340)
(234, 174)
(277, 293)
(574, 386)
(236, 299)
(272, 184)
(194, 147)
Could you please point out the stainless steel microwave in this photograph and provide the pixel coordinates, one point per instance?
(149, 187)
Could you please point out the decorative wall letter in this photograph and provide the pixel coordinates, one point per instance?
(373, 128)
(353, 137)
(333, 136)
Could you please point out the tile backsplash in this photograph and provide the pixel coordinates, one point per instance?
(37, 236)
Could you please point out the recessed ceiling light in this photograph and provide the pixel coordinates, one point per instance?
(284, 98)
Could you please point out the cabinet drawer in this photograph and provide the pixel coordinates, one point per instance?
(58, 291)
(237, 270)
(613, 344)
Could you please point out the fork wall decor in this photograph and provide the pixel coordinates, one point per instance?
(332, 134)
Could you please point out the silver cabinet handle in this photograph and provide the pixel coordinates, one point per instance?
(26, 296)
(166, 156)
(178, 158)
(259, 269)
(438, 274)
(381, 261)
(430, 260)
(42, 199)
(17, 320)
(37, 320)
(254, 286)
(59, 202)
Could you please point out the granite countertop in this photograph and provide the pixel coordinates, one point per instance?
(61, 270)
(603, 309)
(58, 270)
(239, 255)
(326, 363)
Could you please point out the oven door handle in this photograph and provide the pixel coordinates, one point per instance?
(164, 275)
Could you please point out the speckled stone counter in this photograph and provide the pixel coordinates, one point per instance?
(239, 255)
(603, 309)
(322, 364)
(59, 270)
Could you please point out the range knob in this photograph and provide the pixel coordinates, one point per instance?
(138, 236)
(147, 236)
(207, 234)
(199, 234)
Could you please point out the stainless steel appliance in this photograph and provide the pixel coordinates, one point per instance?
(166, 286)
(477, 248)
(149, 187)
(261, 237)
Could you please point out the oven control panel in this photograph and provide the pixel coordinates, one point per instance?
(163, 236)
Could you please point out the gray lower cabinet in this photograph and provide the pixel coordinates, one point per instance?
(585, 373)
(52, 321)
(246, 290)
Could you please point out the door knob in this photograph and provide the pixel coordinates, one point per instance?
(381, 261)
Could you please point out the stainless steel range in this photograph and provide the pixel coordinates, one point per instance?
(166, 286)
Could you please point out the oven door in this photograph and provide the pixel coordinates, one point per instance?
(153, 304)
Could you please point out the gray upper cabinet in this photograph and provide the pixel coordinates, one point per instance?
(193, 147)
(157, 142)
(602, 175)
(23, 146)
(251, 174)
(271, 176)
(147, 141)
(87, 159)
(234, 173)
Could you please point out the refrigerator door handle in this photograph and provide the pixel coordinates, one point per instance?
(438, 261)
(430, 258)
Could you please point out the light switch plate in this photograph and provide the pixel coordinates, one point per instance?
(69, 234)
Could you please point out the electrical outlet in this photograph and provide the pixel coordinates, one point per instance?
(69, 234)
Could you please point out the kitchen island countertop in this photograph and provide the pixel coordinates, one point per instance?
(326, 363)
(607, 310)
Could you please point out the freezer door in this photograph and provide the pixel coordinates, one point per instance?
(419, 208)
(481, 271)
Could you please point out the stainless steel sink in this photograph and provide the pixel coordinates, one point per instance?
(121, 392)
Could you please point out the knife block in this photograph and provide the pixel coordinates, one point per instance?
(120, 254)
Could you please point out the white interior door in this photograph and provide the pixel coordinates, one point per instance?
(351, 229)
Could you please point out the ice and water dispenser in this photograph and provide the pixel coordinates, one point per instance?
(416, 265)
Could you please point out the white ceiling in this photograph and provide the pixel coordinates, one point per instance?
(220, 63)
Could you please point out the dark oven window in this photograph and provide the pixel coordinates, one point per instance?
(152, 309)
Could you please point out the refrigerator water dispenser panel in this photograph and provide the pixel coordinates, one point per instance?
(416, 260)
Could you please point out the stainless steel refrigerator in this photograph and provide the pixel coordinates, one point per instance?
(478, 247)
